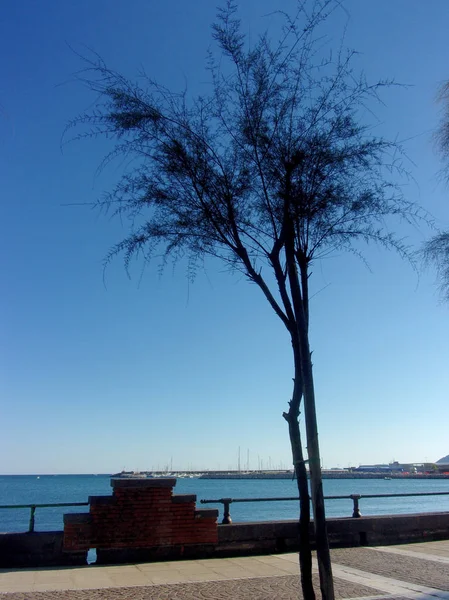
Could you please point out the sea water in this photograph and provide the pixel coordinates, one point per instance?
(48, 489)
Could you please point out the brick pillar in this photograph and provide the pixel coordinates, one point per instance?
(142, 513)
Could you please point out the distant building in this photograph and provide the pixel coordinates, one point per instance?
(406, 468)
(394, 467)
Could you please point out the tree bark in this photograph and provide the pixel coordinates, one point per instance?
(316, 483)
(305, 552)
(300, 306)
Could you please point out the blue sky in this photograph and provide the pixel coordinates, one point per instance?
(151, 370)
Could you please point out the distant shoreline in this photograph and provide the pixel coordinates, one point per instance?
(237, 475)
(277, 475)
(326, 476)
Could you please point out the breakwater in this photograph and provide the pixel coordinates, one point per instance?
(350, 473)
(325, 475)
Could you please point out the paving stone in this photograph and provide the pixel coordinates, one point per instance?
(421, 570)
(405, 568)
(259, 588)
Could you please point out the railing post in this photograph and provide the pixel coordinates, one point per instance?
(31, 525)
(356, 510)
(226, 514)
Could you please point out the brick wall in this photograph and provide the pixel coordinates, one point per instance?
(141, 513)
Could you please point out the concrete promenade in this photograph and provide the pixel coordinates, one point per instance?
(410, 571)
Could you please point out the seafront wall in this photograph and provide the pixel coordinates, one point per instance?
(37, 549)
(271, 537)
(40, 549)
(282, 536)
(144, 521)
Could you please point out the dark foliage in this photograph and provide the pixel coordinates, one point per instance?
(436, 250)
(436, 253)
(212, 175)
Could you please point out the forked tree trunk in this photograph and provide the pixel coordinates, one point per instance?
(305, 552)
(303, 357)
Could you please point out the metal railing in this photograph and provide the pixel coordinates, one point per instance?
(228, 501)
(354, 497)
(33, 507)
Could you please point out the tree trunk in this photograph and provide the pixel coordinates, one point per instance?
(305, 552)
(316, 484)
(301, 305)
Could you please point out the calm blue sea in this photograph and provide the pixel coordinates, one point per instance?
(28, 489)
